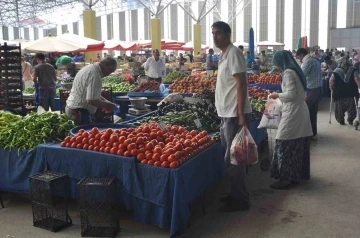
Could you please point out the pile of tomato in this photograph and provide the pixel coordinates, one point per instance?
(148, 143)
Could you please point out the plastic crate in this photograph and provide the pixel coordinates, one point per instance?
(98, 210)
(49, 201)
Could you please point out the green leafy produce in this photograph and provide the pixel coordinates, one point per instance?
(257, 104)
(29, 90)
(120, 87)
(29, 131)
(112, 79)
(67, 80)
(170, 78)
(6, 118)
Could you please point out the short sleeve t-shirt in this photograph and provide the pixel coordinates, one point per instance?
(86, 86)
(209, 61)
(231, 62)
(46, 76)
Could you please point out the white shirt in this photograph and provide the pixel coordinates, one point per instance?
(231, 62)
(26, 71)
(295, 118)
(86, 86)
(187, 59)
(155, 69)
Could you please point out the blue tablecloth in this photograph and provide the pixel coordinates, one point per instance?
(257, 134)
(15, 169)
(156, 195)
(271, 87)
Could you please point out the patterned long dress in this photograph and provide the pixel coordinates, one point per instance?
(291, 160)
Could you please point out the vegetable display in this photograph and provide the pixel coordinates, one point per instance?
(29, 90)
(112, 79)
(151, 86)
(29, 131)
(168, 148)
(122, 87)
(186, 115)
(206, 94)
(258, 93)
(191, 84)
(67, 80)
(173, 76)
(274, 79)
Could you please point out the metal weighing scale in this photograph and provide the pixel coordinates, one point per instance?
(138, 112)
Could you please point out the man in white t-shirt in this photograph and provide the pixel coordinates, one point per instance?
(233, 106)
(155, 67)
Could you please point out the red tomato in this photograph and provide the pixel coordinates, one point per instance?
(81, 131)
(96, 143)
(86, 146)
(163, 158)
(79, 146)
(122, 139)
(116, 144)
(91, 141)
(193, 133)
(109, 144)
(98, 136)
(91, 147)
(67, 139)
(120, 152)
(122, 147)
(158, 150)
(172, 158)
(148, 156)
(63, 144)
(94, 131)
(114, 138)
(107, 149)
(157, 163)
(165, 164)
(156, 157)
(144, 161)
(96, 148)
(174, 164)
(85, 140)
(73, 145)
(68, 144)
(134, 152)
(85, 134)
(131, 146)
(151, 162)
(127, 154)
(149, 146)
(140, 157)
(113, 150)
(102, 149)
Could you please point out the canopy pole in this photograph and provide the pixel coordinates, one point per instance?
(89, 18)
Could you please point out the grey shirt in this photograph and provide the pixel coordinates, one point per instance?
(86, 86)
(46, 76)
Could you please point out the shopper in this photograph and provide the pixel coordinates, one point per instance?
(233, 106)
(44, 77)
(155, 67)
(327, 67)
(182, 61)
(85, 96)
(263, 59)
(344, 87)
(26, 73)
(291, 161)
(312, 70)
(210, 65)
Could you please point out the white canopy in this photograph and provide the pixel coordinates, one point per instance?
(91, 44)
(50, 44)
(245, 44)
(269, 43)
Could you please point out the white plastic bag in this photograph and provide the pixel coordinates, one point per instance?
(40, 110)
(173, 97)
(243, 149)
(272, 114)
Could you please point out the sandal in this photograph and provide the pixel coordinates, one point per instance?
(281, 184)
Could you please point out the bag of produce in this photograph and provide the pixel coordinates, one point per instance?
(172, 97)
(243, 149)
(272, 114)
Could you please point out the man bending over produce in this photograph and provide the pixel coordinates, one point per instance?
(233, 107)
(85, 96)
(44, 77)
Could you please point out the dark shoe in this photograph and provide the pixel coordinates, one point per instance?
(313, 138)
(227, 198)
(342, 123)
(350, 122)
(281, 184)
(235, 206)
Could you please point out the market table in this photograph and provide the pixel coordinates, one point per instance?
(158, 196)
(16, 168)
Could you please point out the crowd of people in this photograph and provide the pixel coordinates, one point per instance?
(301, 85)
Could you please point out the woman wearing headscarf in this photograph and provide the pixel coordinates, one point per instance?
(291, 160)
(344, 89)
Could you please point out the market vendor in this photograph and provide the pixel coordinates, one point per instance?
(85, 96)
(263, 59)
(155, 67)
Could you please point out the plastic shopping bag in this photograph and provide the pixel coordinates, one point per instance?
(243, 149)
(272, 114)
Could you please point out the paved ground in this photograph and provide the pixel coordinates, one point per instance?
(326, 206)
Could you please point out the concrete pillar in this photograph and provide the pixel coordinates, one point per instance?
(89, 30)
(156, 34)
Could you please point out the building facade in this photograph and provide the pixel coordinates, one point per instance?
(272, 20)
